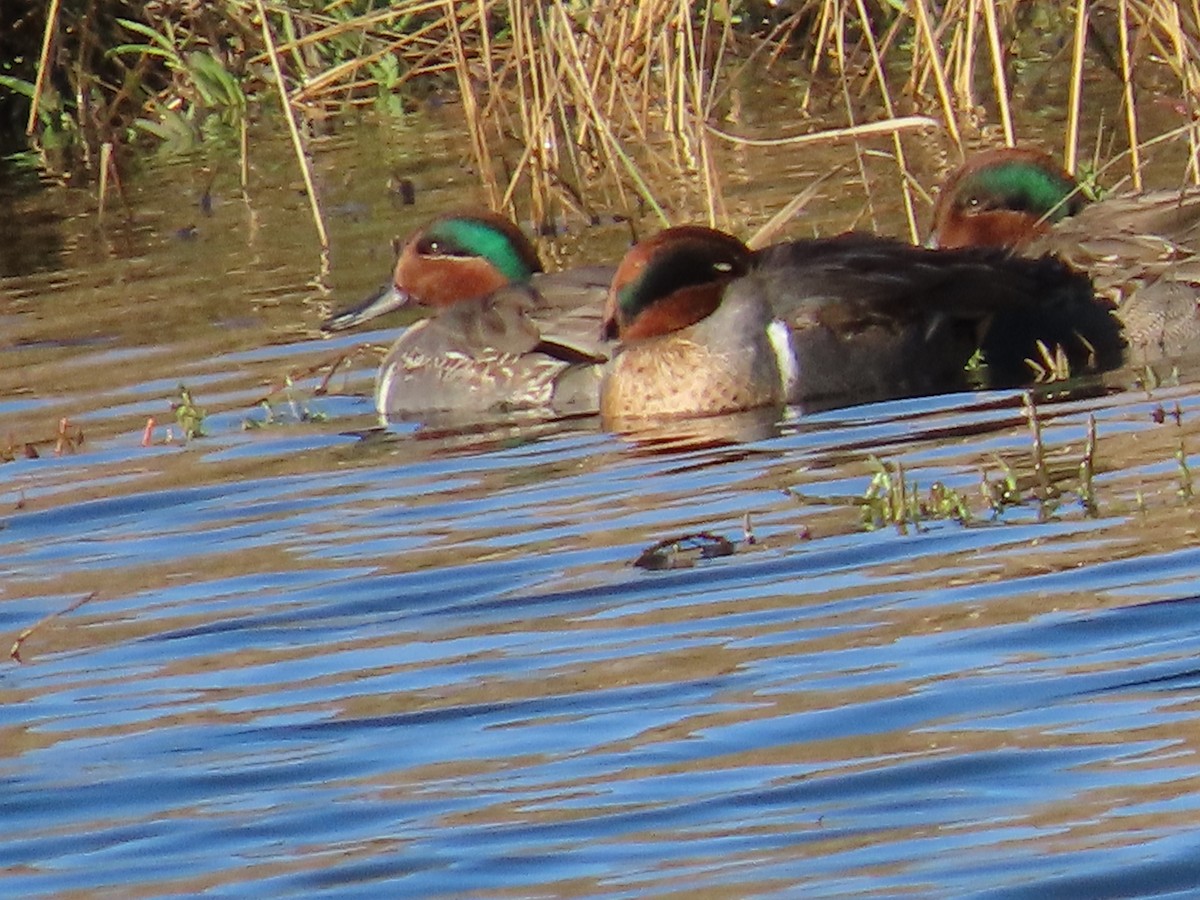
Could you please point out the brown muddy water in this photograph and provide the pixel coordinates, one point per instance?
(318, 660)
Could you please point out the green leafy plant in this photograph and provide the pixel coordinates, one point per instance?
(215, 102)
(188, 415)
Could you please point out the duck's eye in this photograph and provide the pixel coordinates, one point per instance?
(437, 246)
(723, 268)
(973, 202)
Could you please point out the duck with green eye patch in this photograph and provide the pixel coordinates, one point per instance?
(1141, 251)
(706, 326)
(503, 335)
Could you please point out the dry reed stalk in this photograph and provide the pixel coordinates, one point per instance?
(967, 68)
(646, 37)
(674, 85)
(1135, 161)
(999, 80)
(424, 48)
(532, 108)
(557, 149)
(889, 38)
(479, 146)
(897, 145)
(676, 67)
(568, 165)
(1185, 70)
(1166, 137)
(609, 67)
(300, 70)
(330, 29)
(43, 69)
(844, 85)
(297, 144)
(699, 113)
(1190, 96)
(244, 152)
(576, 71)
(616, 38)
(767, 233)
(105, 161)
(952, 21)
(776, 38)
(1075, 99)
(939, 72)
(485, 47)
(893, 35)
(612, 61)
(711, 95)
(335, 77)
(824, 25)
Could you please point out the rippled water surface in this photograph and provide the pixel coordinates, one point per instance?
(312, 658)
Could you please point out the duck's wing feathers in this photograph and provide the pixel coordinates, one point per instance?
(570, 304)
(1143, 255)
(509, 322)
(941, 306)
(486, 355)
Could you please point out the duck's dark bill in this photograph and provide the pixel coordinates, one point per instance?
(386, 299)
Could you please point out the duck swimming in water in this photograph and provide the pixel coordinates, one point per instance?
(707, 326)
(503, 336)
(1141, 251)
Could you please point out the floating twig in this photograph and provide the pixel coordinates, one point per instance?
(15, 652)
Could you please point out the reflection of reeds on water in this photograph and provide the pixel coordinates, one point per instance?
(582, 107)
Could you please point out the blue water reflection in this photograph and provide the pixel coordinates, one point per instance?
(318, 659)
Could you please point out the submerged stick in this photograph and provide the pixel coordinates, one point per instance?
(1087, 469)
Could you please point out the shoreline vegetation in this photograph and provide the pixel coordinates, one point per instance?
(573, 107)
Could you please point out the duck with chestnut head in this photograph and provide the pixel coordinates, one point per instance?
(1141, 251)
(707, 326)
(503, 335)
